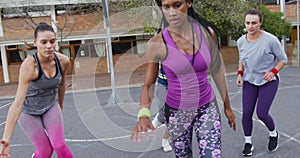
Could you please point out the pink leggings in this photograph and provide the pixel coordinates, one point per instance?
(46, 132)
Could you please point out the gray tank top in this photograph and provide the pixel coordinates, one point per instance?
(42, 92)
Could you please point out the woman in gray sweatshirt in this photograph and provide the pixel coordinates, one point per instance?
(261, 56)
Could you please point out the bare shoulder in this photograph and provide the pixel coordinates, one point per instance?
(213, 34)
(63, 59)
(28, 69)
(156, 46)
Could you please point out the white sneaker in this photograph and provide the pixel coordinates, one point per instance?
(155, 121)
(166, 145)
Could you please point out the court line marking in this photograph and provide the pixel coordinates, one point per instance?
(3, 123)
(5, 105)
(291, 138)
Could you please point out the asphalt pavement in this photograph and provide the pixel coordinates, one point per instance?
(98, 123)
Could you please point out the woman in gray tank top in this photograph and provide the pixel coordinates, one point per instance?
(39, 100)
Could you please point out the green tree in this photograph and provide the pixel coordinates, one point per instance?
(228, 16)
(274, 23)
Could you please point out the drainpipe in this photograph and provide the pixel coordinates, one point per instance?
(53, 22)
(4, 64)
(282, 9)
(297, 10)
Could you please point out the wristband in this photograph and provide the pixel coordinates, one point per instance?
(274, 71)
(143, 112)
(240, 72)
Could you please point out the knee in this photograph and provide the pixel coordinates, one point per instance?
(45, 152)
(262, 116)
(246, 116)
(59, 147)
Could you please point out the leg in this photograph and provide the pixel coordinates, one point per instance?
(266, 96)
(165, 143)
(53, 123)
(160, 116)
(166, 134)
(179, 124)
(250, 93)
(208, 131)
(33, 128)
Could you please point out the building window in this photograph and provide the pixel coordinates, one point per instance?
(83, 51)
(82, 8)
(269, 1)
(224, 40)
(277, 1)
(124, 45)
(16, 54)
(26, 11)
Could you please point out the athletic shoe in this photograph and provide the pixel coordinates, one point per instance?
(248, 148)
(155, 121)
(166, 145)
(273, 143)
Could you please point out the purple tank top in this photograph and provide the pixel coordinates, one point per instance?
(188, 85)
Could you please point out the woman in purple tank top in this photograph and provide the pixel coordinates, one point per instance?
(39, 100)
(188, 50)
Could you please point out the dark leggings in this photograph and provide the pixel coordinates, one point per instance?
(207, 124)
(262, 96)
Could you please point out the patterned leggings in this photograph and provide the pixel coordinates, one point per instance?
(46, 133)
(207, 123)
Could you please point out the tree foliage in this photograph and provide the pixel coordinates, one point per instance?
(274, 23)
(228, 16)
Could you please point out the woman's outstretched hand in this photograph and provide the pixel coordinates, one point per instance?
(231, 118)
(4, 149)
(141, 127)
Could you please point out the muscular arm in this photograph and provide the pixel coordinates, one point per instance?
(217, 70)
(64, 60)
(155, 49)
(151, 59)
(27, 73)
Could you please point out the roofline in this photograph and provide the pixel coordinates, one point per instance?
(295, 23)
(23, 3)
(74, 38)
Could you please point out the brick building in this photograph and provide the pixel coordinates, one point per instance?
(81, 35)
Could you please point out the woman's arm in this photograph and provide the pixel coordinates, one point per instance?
(217, 70)
(239, 79)
(64, 60)
(27, 72)
(152, 55)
